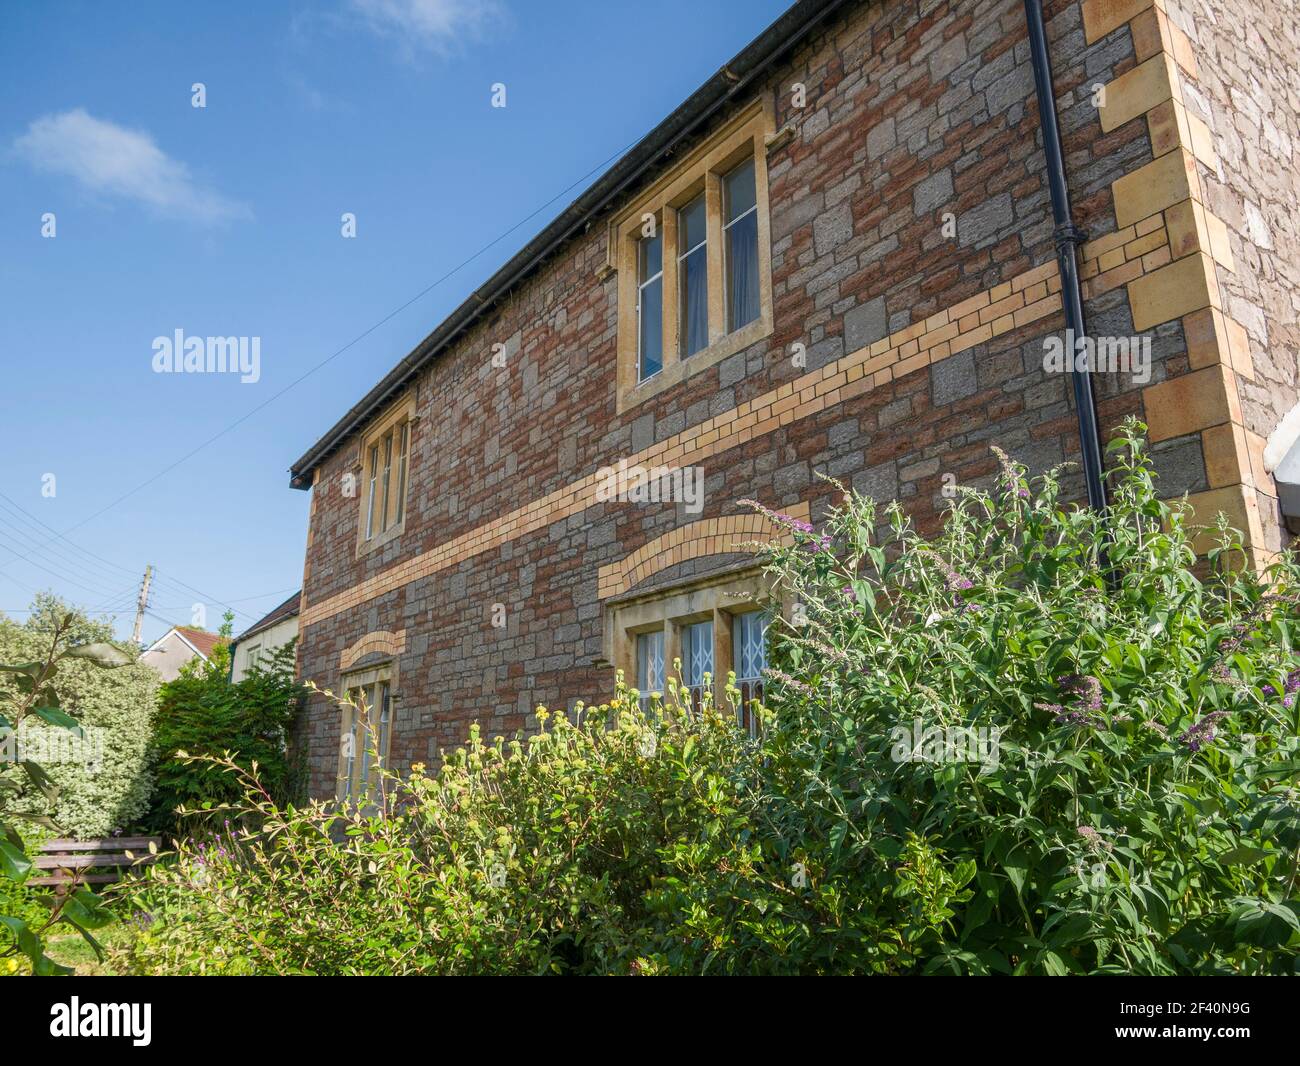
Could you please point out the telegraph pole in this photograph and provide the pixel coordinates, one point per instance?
(141, 604)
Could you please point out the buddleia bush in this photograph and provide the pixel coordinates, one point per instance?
(1067, 706)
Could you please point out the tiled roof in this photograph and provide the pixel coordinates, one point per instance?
(200, 638)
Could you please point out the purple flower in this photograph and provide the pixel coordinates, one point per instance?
(819, 543)
(1086, 691)
(1084, 687)
(849, 594)
(1289, 688)
(1203, 732)
(796, 524)
(956, 582)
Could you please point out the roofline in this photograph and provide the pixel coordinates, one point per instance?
(188, 643)
(731, 80)
(260, 627)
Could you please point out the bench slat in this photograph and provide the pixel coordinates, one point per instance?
(86, 862)
(88, 879)
(105, 844)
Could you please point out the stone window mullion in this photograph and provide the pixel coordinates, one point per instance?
(671, 331)
(722, 655)
(717, 297)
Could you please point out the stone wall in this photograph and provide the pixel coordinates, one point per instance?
(1247, 91)
(912, 256)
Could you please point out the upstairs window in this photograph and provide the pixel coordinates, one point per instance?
(693, 276)
(694, 263)
(740, 235)
(385, 467)
(650, 306)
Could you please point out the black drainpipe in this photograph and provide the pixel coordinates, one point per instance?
(1068, 238)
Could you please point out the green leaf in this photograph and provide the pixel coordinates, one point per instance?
(38, 777)
(106, 655)
(14, 863)
(85, 935)
(31, 669)
(56, 717)
(28, 942)
(86, 910)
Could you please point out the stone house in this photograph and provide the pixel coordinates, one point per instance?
(850, 252)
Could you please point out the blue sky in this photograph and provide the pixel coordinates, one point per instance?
(225, 221)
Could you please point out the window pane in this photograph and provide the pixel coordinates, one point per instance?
(650, 662)
(690, 225)
(370, 500)
(748, 645)
(349, 744)
(651, 256)
(651, 325)
(401, 474)
(693, 278)
(693, 274)
(697, 650)
(366, 739)
(738, 191)
(388, 469)
(749, 650)
(742, 272)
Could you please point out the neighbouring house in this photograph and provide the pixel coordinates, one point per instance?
(839, 256)
(264, 637)
(178, 646)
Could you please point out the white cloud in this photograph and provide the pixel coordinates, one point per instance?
(435, 25)
(110, 159)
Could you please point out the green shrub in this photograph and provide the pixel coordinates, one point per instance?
(114, 707)
(1131, 804)
(33, 692)
(203, 713)
(1038, 743)
(527, 856)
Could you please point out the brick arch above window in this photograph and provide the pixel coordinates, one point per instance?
(382, 642)
(708, 536)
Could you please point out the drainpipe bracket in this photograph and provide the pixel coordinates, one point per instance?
(1069, 234)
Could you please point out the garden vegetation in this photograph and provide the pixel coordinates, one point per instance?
(1046, 741)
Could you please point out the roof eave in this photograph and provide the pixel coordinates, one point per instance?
(731, 80)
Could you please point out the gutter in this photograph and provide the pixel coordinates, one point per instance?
(720, 91)
(1068, 238)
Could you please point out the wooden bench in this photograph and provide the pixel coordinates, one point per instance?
(78, 861)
